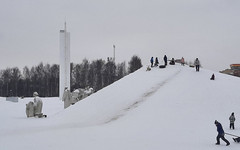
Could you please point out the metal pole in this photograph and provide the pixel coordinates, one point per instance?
(114, 53)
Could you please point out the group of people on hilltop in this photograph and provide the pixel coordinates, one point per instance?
(156, 62)
(221, 132)
(172, 62)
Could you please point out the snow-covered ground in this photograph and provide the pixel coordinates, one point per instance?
(172, 109)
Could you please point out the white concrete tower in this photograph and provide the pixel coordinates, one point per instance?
(64, 76)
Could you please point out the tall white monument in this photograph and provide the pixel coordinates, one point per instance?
(64, 77)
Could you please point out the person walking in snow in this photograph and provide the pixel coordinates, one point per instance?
(220, 133)
(156, 62)
(37, 105)
(197, 64)
(151, 60)
(232, 120)
(165, 60)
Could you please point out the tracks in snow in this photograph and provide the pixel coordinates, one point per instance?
(143, 98)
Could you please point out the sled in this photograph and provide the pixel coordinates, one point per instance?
(237, 139)
(162, 66)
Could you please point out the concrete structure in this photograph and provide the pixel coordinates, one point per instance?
(64, 77)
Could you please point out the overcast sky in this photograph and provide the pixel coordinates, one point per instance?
(207, 29)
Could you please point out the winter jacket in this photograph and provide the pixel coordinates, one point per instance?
(182, 61)
(196, 62)
(37, 105)
(232, 119)
(151, 60)
(219, 129)
(165, 58)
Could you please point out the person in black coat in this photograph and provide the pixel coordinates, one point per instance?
(151, 60)
(172, 62)
(212, 77)
(156, 62)
(165, 60)
(220, 133)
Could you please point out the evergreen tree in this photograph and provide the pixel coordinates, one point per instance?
(109, 73)
(134, 64)
(121, 71)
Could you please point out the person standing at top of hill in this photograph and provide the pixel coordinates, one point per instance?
(182, 61)
(197, 64)
(220, 133)
(156, 62)
(232, 120)
(151, 60)
(165, 60)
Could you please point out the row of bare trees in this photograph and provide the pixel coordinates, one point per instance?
(44, 78)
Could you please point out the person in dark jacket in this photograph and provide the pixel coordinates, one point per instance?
(220, 133)
(165, 60)
(151, 60)
(172, 62)
(156, 62)
(232, 120)
(212, 77)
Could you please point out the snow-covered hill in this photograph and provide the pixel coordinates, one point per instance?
(172, 108)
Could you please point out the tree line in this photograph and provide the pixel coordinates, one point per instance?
(44, 78)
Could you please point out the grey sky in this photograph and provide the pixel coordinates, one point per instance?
(207, 29)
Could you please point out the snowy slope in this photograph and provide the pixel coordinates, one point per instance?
(172, 108)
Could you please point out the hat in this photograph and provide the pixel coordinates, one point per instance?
(35, 93)
(216, 122)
